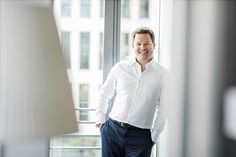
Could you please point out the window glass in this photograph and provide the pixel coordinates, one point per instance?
(86, 51)
(81, 37)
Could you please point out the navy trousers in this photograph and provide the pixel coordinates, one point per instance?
(118, 141)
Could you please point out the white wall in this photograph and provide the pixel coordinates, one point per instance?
(166, 28)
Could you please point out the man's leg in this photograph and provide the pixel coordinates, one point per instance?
(138, 143)
(112, 140)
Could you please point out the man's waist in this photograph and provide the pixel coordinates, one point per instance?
(126, 125)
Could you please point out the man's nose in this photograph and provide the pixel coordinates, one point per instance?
(143, 46)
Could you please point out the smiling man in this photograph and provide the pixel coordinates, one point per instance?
(139, 112)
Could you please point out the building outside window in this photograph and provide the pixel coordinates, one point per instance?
(84, 50)
(85, 8)
(66, 48)
(65, 7)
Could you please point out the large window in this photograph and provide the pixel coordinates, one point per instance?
(85, 73)
(91, 57)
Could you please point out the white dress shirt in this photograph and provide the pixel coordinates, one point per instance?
(141, 97)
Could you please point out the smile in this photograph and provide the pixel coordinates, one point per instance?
(143, 52)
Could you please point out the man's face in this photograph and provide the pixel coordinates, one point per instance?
(143, 47)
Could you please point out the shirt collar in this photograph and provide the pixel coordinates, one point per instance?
(134, 62)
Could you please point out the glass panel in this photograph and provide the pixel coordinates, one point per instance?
(81, 35)
(65, 7)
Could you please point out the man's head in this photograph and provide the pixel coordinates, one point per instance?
(143, 44)
(143, 30)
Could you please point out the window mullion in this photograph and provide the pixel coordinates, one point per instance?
(111, 34)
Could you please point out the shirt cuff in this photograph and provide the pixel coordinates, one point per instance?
(154, 137)
(100, 118)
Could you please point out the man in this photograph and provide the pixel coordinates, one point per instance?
(139, 112)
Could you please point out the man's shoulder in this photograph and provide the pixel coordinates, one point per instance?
(124, 62)
(162, 69)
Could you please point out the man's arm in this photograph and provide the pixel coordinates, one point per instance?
(101, 110)
(105, 94)
(162, 111)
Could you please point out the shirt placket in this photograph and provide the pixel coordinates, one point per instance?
(135, 96)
